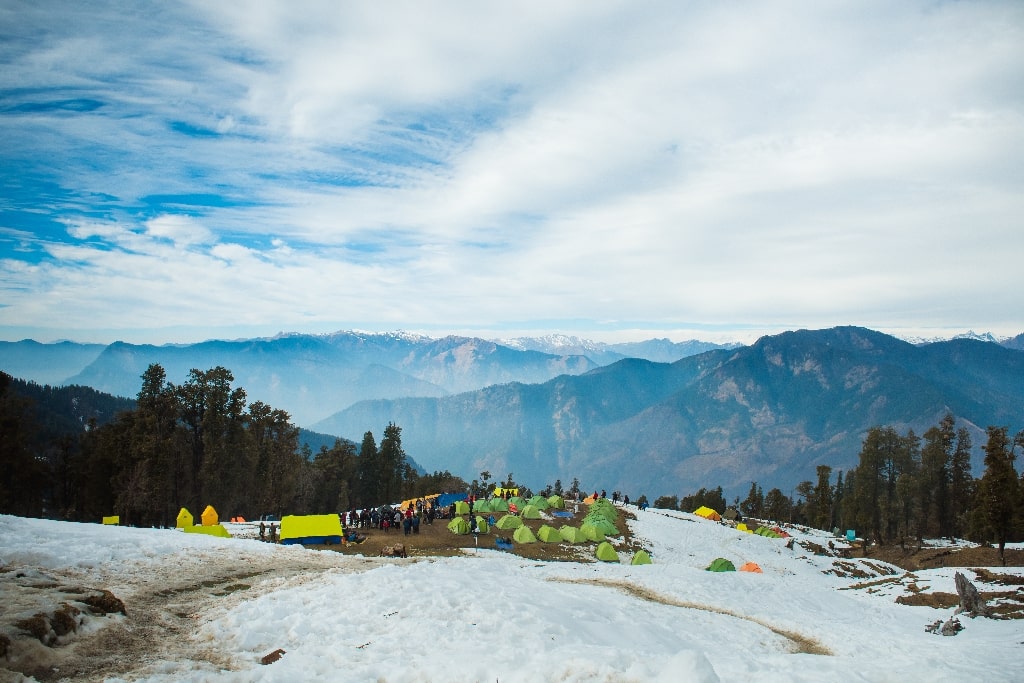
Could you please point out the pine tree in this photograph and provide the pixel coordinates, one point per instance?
(998, 491)
(368, 469)
(961, 483)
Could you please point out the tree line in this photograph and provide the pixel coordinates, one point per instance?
(904, 487)
(191, 445)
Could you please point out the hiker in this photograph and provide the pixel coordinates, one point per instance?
(273, 533)
(407, 522)
(625, 500)
(415, 524)
(263, 531)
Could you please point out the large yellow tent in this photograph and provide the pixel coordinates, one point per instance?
(311, 529)
(707, 513)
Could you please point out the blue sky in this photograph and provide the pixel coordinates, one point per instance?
(179, 171)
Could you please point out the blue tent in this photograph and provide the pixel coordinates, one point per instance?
(446, 499)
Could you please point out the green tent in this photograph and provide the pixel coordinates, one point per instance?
(539, 502)
(481, 505)
(520, 503)
(606, 553)
(721, 565)
(481, 524)
(458, 525)
(591, 532)
(571, 534)
(549, 534)
(766, 532)
(509, 522)
(557, 502)
(605, 508)
(498, 505)
(524, 535)
(461, 507)
(641, 557)
(530, 512)
(603, 524)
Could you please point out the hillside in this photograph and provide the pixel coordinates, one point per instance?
(199, 607)
(769, 412)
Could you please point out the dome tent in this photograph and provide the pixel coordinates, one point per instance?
(603, 524)
(721, 564)
(530, 512)
(549, 534)
(557, 502)
(708, 513)
(459, 526)
(509, 522)
(591, 532)
(481, 525)
(571, 534)
(539, 502)
(641, 557)
(606, 553)
(524, 535)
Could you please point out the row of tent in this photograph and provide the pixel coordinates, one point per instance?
(721, 564)
(210, 525)
(769, 532)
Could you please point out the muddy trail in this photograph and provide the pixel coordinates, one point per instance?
(59, 628)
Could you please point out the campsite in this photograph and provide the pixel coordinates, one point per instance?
(651, 603)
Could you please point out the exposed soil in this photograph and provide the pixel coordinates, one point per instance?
(916, 557)
(435, 540)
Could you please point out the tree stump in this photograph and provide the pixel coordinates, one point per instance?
(971, 602)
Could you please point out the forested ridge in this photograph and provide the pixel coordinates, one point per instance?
(905, 487)
(201, 443)
(190, 445)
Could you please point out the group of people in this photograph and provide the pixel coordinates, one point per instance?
(387, 517)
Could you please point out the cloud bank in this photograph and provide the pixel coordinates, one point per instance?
(190, 170)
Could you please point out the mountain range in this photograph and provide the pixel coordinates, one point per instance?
(656, 417)
(314, 376)
(769, 412)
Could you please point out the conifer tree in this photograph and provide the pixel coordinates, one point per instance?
(998, 497)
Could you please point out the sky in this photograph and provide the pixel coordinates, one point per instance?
(493, 616)
(181, 171)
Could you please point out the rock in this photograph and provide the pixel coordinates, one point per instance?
(951, 627)
(971, 602)
(272, 657)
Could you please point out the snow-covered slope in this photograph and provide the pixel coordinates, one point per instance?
(491, 616)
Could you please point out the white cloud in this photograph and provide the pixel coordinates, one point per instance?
(477, 164)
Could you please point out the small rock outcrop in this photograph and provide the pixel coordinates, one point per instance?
(971, 602)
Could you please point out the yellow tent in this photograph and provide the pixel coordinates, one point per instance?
(209, 530)
(210, 516)
(115, 519)
(184, 519)
(743, 527)
(707, 513)
(311, 529)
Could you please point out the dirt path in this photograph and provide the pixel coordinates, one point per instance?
(161, 611)
(799, 642)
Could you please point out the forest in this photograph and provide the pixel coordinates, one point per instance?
(904, 488)
(190, 445)
(201, 443)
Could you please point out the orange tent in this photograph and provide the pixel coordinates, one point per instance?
(751, 567)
